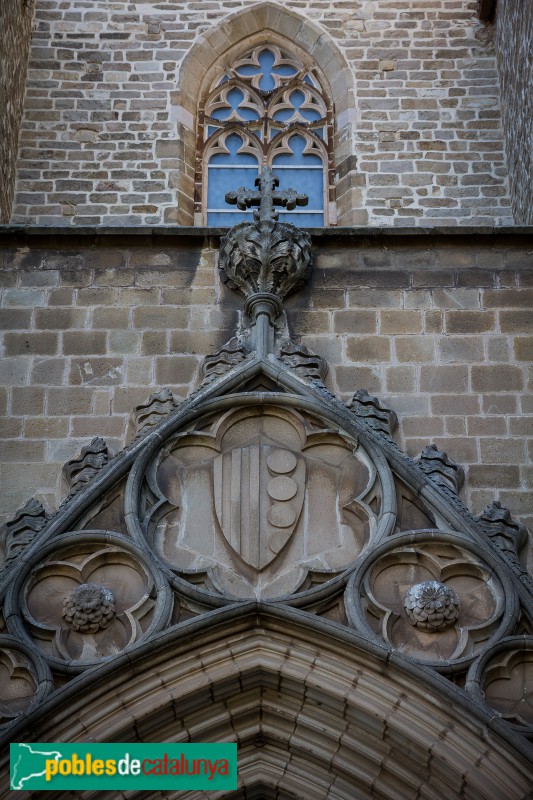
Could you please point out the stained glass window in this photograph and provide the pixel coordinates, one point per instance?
(266, 109)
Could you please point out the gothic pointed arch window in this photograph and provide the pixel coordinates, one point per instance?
(267, 107)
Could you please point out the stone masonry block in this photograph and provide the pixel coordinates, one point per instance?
(510, 298)
(444, 379)
(154, 343)
(401, 379)
(91, 371)
(84, 343)
(486, 426)
(499, 403)
(315, 322)
(400, 321)
(499, 377)
(60, 318)
(373, 298)
(48, 371)
(107, 427)
(415, 348)
(502, 451)
(470, 321)
(69, 400)
(516, 321)
(110, 317)
(15, 319)
(496, 475)
(523, 348)
(46, 427)
(27, 400)
(28, 450)
(355, 321)
(461, 348)
(349, 379)
(158, 317)
(175, 369)
(16, 344)
(368, 348)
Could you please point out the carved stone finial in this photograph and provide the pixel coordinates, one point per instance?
(378, 416)
(79, 471)
(432, 606)
(441, 468)
(507, 534)
(272, 257)
(89, 608)
(20, 532)
(146, 415)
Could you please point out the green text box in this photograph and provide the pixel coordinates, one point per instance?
(55, 765)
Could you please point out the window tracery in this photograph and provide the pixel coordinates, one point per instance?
(267, 108)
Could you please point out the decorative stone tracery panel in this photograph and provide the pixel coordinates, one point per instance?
(24, 680)
(503, 678)
(431, 596)
(89, 597)
(262, 501)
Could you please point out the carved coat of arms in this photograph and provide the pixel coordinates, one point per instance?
(259, 494)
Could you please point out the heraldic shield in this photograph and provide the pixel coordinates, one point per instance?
(262, 500)
(259, 494)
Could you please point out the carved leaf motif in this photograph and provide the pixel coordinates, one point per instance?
(148, 414)
(441, 468)
(507, 534)
(378, 416)
(270, 257)
(20, 532)
(228, 356)
(79, 471)
(302, 361)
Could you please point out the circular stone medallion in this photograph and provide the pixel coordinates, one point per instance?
(281, 461)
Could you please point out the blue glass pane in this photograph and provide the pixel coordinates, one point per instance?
(297, 145)
(309, 182)
(211, 130)
(303, 220)
(285, 70)
(227, 220)
(283, 115)
(221, 181)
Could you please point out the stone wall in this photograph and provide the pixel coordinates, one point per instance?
(438, 326)
(514, 45)
(15, 32)
(105, 140)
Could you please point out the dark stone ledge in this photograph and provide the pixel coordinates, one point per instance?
(15, 234)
